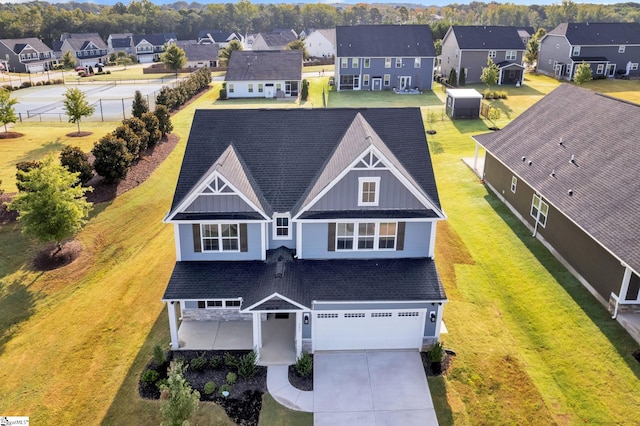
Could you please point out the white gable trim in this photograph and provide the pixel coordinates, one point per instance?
(198, 190)
(423, 198)
(278, 295)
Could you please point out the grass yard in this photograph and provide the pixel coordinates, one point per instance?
(533, 346)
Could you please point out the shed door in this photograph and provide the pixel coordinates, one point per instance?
(370, 329)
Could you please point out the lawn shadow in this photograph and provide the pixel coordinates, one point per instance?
(473, 125)
(17, 304)
(598, 314)
(438, 391)
(38, 153)
(499, 103)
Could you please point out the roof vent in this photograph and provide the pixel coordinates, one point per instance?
(573, 159)
(279, 268)
(524, 158)
(561, 143)
(570, 192)
(553, 173)
(530, 162)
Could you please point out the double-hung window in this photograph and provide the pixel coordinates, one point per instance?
(220, 237)
(576, 51)
(492, 54)
(344, 62)
(417, 62)
(367, 62)
(621, 49)
(511, 55)
(366, 236)
(250, 87)
(281, 227)
(354, 62)
(539, 210)
(398, 62)
(387, 62)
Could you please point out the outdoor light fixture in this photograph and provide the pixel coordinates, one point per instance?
(432, 316)
(306, 318)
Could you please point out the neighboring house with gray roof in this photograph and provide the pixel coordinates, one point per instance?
(384, 57)
(264, 74)
(321, 43)
(120, 43)
(611, 49)
(149, 47)
(221, 38)
(199, 55)
(274, 41)
(88, 48)
(572, 177)
(466, 49)
(25, 55)
(323, 220)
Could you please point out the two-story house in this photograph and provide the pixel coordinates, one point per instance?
(313, 225)
(120, 43)
(321, 43)
(276, 40)
(26, 55)
(88, 48)
(149, 47)
(611, 49)
(572, 177)
(384, 57)
(264, 73)
(466, 49)
(221, 38)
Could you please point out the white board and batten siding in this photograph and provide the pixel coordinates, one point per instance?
(368, 329)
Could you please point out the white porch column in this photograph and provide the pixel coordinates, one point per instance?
(257, 333)
(624, 288)
(500, 77)
(432, 240)
(173, 325)
(475, 158)
(439, 319)
(298, 335)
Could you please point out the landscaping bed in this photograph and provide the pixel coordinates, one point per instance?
(244, 402)
(432, 369)
(299, 381)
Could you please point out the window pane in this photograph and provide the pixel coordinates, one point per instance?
(345, 229)
(209, 231)
(387, 229)
(229, 230)
(387, 242)
(344, 244)
(367, 229)
(210, 244)
(365, 243)
(229, 245)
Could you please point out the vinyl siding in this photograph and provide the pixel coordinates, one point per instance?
(315, 238)
(553, 48)
(218, 203)
(291, 243)
(241, 88)
(420, 77)
(253, 241)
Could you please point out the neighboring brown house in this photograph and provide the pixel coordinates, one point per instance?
(572, 177)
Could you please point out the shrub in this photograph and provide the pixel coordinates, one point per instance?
(162, 382)
(304, 365)
(247, 365)
(304, 94)
(139, 105)
(76, 161)
(112, 158)
(223, 94)
(199, 363)
(24, 166)
(150, 376)
(130, 138)
(140, 129)
(224, 388)
(26, 84)
(230, 360)
(164, 119)
(215, 362)
(209, 388)
(152, 126)
(231, 377)
(159, 356)
(436, 353)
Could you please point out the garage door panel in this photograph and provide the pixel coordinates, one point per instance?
(393, 329)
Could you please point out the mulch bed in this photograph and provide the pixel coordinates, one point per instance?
(300, 382)
(78, 134)
(10, 135)
(433, 370)
(244, 403)
(51, 258)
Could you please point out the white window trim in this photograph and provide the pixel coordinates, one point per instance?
(220, 238)
(537, 204)
(634, 66)
(576, 51)
(492, 54)
(365, 80)
(398, 62)
(387, 62)
(356, 236)
(223, 301)
(514, 184)
(275, 227)
(511, 55)
(361, 182)
(387, 80)
(622, 49)
(367, 62)
(417, 62)
(344, 62)
(354, 62)
(600, 69)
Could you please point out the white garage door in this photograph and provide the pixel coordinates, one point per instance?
(359, 329)
(36, 68)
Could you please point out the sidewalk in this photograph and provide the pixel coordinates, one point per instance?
(282, 391)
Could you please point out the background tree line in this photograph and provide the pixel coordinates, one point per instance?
(47, 21)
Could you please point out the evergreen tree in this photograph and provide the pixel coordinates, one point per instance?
(462, 80)
(164, 119)
(225, 54)
(76, 161)
(53, 207)
(139, 105)
(112, 158)
(174, 58)
(453, 77)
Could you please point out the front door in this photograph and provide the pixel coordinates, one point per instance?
(377, 83)
(405, 82)
(610, 70)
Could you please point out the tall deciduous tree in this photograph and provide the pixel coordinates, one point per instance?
(76, 106)
(7, 111)
(53, 207)
(583, 74)
(123, 59)
(180, 401)
(533, 47)
(299, 45)
(490, 73)
(174, 58)
(225, 53)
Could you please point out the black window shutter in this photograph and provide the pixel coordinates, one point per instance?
(243, 237)
(332, 237)
(197, 244)
(400, 242)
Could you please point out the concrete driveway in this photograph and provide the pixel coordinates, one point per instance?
(371, 388)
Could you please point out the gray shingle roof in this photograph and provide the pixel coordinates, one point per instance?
(604, 33)
(251, 65)
(307, 280)
(385, 41)
(284, 151)
(602, 134)
(278, 40)
(17, 44)
(158, 39)
(79, 41)
(198, 52)
(487, 37)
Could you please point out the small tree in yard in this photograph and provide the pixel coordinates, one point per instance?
(179, 400)
(68, 61)
(112, 158)
(152, 126)
(299, 45)
(225, 54)
(453, 77)
(7, 111)
(53, 207)
(76, 106)
(76, 161)
(304, 94)
(24, 167)
(164, 118)
(493, 115)
(139, 105)
(490, 73)
(140, 129)
(123, 59)
(583, 74)
(174, 58)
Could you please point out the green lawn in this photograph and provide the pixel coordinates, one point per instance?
(533, 346)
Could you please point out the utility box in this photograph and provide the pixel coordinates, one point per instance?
(463, 103)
